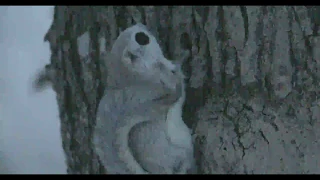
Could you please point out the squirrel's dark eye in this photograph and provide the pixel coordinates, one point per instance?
(142, 38)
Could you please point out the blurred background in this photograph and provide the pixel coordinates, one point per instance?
(29, 124)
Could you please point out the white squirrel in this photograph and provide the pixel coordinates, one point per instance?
(139, 127)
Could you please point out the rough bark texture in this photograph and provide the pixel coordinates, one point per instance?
(252, 87)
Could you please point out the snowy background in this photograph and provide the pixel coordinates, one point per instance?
(29, 125)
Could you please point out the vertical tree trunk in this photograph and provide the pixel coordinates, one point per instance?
(252, 87)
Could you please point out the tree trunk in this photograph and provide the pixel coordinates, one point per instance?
(252, 81)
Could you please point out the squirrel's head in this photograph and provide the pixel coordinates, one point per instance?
(137, 48)
(136, 57)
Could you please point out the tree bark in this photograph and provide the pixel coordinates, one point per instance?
(252, 81)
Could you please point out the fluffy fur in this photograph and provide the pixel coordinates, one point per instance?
(139, 126)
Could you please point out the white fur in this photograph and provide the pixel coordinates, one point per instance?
(150, 55)
(178, 131)
(124, 150)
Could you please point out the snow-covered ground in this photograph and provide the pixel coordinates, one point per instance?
(29, 124)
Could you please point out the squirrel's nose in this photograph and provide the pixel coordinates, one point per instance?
(142, 38)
